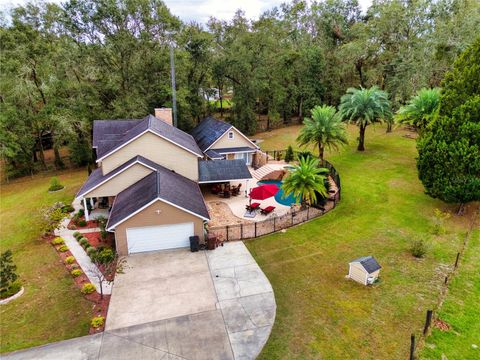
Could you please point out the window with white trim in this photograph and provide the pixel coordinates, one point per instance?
(230, 135)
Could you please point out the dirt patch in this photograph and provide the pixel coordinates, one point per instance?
(441, 325)
(91, 224)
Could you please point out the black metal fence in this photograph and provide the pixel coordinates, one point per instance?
(276, 223)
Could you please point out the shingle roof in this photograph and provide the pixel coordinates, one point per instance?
(208, 131)
(369, 263)
(163, 184)
(234, 149)
(106, 138)
(222, 170)
(212, 154)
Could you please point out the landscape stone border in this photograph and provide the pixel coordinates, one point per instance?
(13, 297)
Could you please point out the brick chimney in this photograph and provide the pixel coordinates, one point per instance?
(164, 114)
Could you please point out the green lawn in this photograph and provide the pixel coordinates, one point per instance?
(52, 307)
(320, 314)
(226, 103)
(461, 310)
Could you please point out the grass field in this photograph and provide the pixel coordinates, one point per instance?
(320, 314)
(461, 310)
(52, 308)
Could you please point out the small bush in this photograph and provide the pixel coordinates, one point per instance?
(82, 223)
(11, 290)
(76, 272)
(77, 235)
(8, 271)
(289, 154)
(74, 266)
(88, 288)
(105, 256)
(57, 215)
(80, 213)
(418, 248)
(55, 184)
(83, 242)
(70, 260)
(304, 155)
(58, 241)
(88, 246)
(68, 209)
(98, 321)
(63, 248)
(439, 218)
(103, 234)
(91, 251)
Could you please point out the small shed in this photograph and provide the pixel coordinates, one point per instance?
(364, 270)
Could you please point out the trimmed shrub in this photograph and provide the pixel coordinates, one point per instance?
(103, 234)
(289, 154)
(8, 272)
(55, 184)
(76, 272)
(68, 209)
(63, 248)
(80, 213)
(74, 266)
(10, 291)
(82, 223)
(92, 252)
(98, 321)
(58, 241)
(83, 242)
(418, 248)
(77, 235)
(105, 256)
(70, 260)
(88, 288)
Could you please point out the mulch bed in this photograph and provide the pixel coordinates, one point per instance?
(96, 240)
(99, 304)
(91, 224)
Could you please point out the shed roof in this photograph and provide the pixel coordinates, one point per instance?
(222, 170)
(164, 185)
(208, 131)
(369, 263)
(109, 135)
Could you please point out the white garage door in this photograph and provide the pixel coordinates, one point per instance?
(162, 237)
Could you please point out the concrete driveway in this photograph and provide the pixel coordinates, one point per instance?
(215, 305)
(160, 285)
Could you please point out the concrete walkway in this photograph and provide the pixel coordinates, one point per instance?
(81, 256)
(236, 329)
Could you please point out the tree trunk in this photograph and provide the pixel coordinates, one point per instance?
(40, 151)
(389, 127)
(35, 158)
(320, 152)
(361, 138)
(59, 164)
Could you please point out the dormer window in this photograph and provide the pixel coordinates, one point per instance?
(230, 135)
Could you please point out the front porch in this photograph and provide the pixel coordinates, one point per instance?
(95, 208)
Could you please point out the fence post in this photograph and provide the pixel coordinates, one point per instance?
(428, 321)
(308, 212)
(227, 232)
(274, 155)
(274, 223)
(412, 347)
(456, 260)
(292, 218)
(241, 231)
(255, 229)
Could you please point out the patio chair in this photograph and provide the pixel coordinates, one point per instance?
(253, 206)
(267, 210)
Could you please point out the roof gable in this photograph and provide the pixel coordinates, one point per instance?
(164, 185)
(208, 131)
(369, 263)
(133, 129)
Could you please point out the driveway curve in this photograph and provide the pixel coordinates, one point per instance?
(229, 314)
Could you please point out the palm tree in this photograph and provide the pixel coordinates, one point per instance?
(364, 107)
(420, 108)
(305, 180)
(324, 129)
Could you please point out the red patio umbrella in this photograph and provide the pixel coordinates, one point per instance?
(263, 192)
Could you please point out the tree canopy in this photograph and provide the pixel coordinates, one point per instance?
(63, 66)
(449, 149)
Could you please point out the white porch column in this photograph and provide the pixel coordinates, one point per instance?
(246, 188)
(86, 209)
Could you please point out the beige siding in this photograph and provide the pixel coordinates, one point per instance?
(158, 150)
(237, 141)
(120, 181)
(357, 273)
(149, 217)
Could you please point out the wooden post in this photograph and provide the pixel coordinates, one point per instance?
(412, 347)
(428, 321)
(227, 232)
(241, 231)
(456, 260)
(255, 229)
(446, 280)
(308, 212)
(274, 223)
